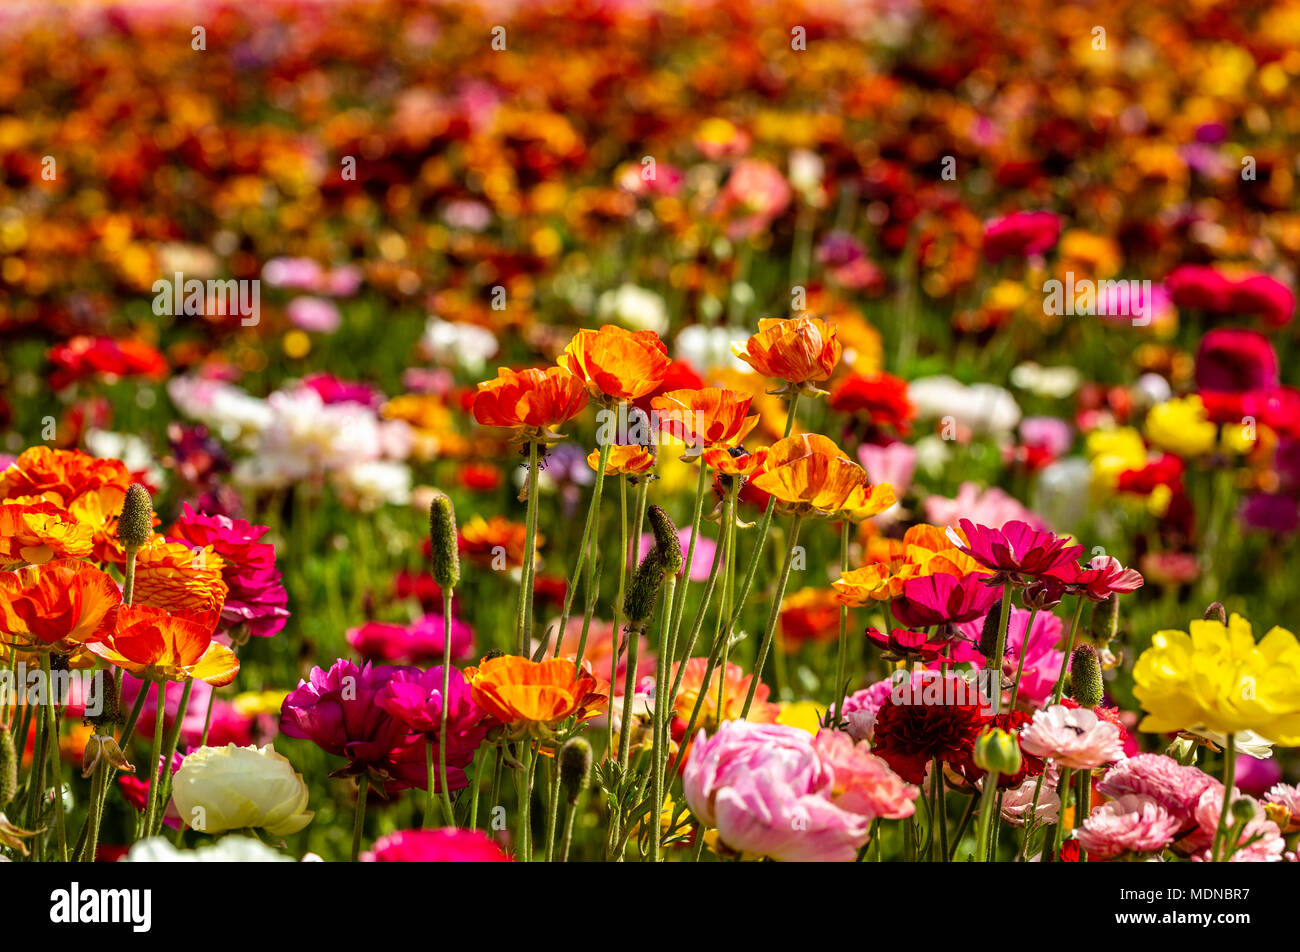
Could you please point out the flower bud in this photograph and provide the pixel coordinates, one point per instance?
(998, 751)
(1105, 619)
(1216, 612)
(8, 767)
(135, 523)
(575, 767)
(442, 536)
(1243, 810)
(109, 711)
(989, 634)
(639, 602)
(1085, 676)
(670, 547)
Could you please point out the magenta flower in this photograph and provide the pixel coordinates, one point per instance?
(1020, 235)
(1015, 553)
(767, 791)
(941, 599)
(447, 845)
(414, 698)
(257, 599)
(1131, 824)
(1097, 580)
(904, 645)
(420, 641)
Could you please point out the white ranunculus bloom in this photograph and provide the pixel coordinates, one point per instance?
(451, 343)
(375, 483)
(228, 849)
(229, 788)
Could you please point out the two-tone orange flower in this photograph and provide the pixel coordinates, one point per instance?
(33, 531)
(801, 351)
(735, 461)
(173, 646)
(624, 460)
(811, 475)
(487, 540)
(531, 402)
(888, 563)
(60, 606)
(616, 364)
(534, 694)
(175, 577)
(704, 418)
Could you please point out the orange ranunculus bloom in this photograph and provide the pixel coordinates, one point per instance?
(923, 550)
(811, 475)
(516, 690)
(60, 606)
(175, 577)
(624, 460)
(483, 539)
(708, 417)
(810, 614)
(735, 461)
(798, 350)
(616, 364)
(530, 401)
(34, 531)
(153, 643)
(735, 685)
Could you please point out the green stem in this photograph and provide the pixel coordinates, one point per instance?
(1069, 650)
(660, 748)
(772, 615)
(56, 760)
(359, 818)
(446, 694)
(592, 509)
(479, 764)
(155, 752)
(1229, 768)
(430, 797)
(841, 659)
(1020, 667)
(994, 664)
(987, 798)
(523, 620)
(169, 749)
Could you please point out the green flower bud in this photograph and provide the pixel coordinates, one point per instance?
(8, 768)
(1243, 811)
(989, 634)
(135, 523)
(1105, 619)
(1085, 676)
(670, 547)
(575, 767)
(998, 751)
(639, 602)
(442, 535)
(1216, 612)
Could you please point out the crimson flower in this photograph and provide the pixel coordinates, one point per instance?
(942, 599)
(1015, 553)
(1030, 766)
(936, 716)
(1098, 579)
(904, 645)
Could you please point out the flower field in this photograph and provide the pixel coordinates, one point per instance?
(579, 431)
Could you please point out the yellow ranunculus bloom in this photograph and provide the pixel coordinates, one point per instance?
(1217, 678)
(805, 715)
(1180, 426)
(227, 788)
(1112, 452)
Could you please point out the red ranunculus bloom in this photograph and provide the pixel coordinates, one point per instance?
(934, 716)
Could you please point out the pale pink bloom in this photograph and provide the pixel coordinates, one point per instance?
(990, 507)
(864, 783)
(766, 791)
(1073, 737)
(1163, 779)
(861, 707)
(1042, 660)
(755, 193)
(894, 464)
(1017, 801)
(314, 314)
(1131, 824)
(1268, 848)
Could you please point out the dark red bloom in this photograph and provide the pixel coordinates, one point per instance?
(1165, 471)
(935, 716)
(1235, 360)
(1030, 766)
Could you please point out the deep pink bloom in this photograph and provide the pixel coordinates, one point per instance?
(1199, 287)
(1017, 552)
(414, 697)
(135, 791)
(1042, 660)
(1098, 579)
(420, 641)
(447, 845)
(1020, 235)
(1131, 824)
(257, 599)
(1266, 297)
(904, 645)
(1235, 360)
(941, 599)
(1206, 288)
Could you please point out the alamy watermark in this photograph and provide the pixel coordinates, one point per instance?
(194, 298)
(30, 686)
(1088, 298)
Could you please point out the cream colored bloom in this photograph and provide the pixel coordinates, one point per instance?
(229, 788)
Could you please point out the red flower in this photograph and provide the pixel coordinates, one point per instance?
(904, 645)
(881, 397)
(1020, 235)
(1030, 766)
(1166, 471)
(83, 357)
(1235, 360)
(911, 730)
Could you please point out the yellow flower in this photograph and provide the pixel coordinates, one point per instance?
(1112, 452)
(227, 788)
(805, 715)
(1218, 679)
(1181, 426)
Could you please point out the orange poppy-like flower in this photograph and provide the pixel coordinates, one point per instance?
(810, 614)
(923, 550)
(176, 577)
(811, 475)
(704, 418)
(799, 350)
(518, 691)
(60, 606)
(530, 401)
(624, 460)
(487, 540)
(735, 687)
(173, 646)
(616, 364)
(33, 531)
(735, 461)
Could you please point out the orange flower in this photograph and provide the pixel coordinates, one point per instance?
(35, 531)
(516, 690)
(60, 606)
(624, 460)
(153, 643)
(735, 687)
(616, 364)
(810, 614)
(485, 540)
(173, 576)
(735, 461)
(798, 350)
(704, 418)
(530, 401)
(923, 550)
(810, 475)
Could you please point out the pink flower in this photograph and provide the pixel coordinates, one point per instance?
(314, 314)
(1163, 779)
(894, 464)
(1131, 824)
(860, 708)
(864, 783)
(1042, 660)
(1020, 235)
(1268, 848)
(447, 845)
(989, 507)
(1287, 795)
(767, 791)
(1017, 552)
(1235, 360)
(1017, 801)
(943, 599)
(415, 699)
(1053, 436)
(1097, 580)
(755, 193)
(1073, 737)
(421, 640)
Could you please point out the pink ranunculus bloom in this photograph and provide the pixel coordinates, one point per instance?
(1042, 660)
(864, 783)
(421, 640)
(1050, 434)
(1131, 824)
(1016, 552)
(988, 507)
(447, 845)
(1286, 795)
(755, 193)
(1269, 298)
(1020, 235)
(1268, 848)
(860, 708)
(1097, 580)
(1018, 801)
(415, 699)
(1073, 737)
(1255, 775)
(941, 598)
(768, 792)
(894, 464)
(257, 599)
(314, 314)
(1235, 360)
(1176, 787)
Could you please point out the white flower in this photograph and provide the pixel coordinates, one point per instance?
(375, 483)
(228, 788)
(1053, 382)
(450, 343)
(228, 849)
(634, 308)
(706, 348)
(981, 407)
(233, 415)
